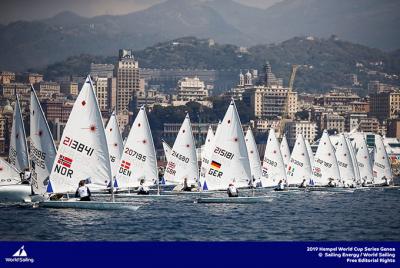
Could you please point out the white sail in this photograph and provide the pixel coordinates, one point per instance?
(43, 150)
(114, 142)
(167, 150)
(138, 160)
(83, 151)
(285, 150)
(309, 151)
(8, 173)
(364, 162)
(254, 157)
(273, 165)
(352, 151)
(299, 167)
(346, 169)
(18, 155)
(183, 159)
(229, 161)
(205, 152)
(325, 165)
(382, 168)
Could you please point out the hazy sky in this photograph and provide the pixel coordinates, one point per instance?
(12, 10)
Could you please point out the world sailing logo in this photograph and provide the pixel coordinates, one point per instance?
(20, 256)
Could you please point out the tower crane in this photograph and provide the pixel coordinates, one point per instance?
(285, 114)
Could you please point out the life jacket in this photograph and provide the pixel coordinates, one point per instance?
(83, 191)
(232, 190)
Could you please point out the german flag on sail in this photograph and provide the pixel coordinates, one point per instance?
(215, 165)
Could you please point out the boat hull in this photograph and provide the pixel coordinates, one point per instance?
(74, 204)
(15, 193)
(234, 200)
(134, 195)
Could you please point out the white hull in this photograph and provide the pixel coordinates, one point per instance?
(234, 200)
(134, 195)
(89, 205)
(15, 193)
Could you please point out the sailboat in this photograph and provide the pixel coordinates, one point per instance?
(8, 173)
(325, 167)
(345, 163)
(229, 160)
(43, 150)
(309, 151)
(167, 150)
(273, 165)
(83, 155)
(285, 151)
(182, 162)
(206, 154)
(299, 167)
(364, 162)
(138, 160)
(382, 169)
(11, 189)
(114, 142)
(18, 155)
(352, 151)
(254, 158)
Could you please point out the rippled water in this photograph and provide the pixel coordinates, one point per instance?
(362, 215)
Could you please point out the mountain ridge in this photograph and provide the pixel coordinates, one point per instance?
(39, 43)
(327, 61)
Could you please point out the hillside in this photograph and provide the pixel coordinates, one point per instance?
(39, 43)
(327, 60)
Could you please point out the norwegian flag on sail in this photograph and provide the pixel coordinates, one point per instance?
(65, 161)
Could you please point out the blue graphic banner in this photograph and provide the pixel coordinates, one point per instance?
(199, 254)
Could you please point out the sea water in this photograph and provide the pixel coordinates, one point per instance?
(369, 214)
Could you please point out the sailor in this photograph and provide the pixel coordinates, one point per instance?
(280, 186)
(232, 191)
(186, 187)
(143, 189)
(364, 183)
(330, 183)
(252, 182)
(303, 184)
(83, 192)
(26, 176)
(386, 183)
